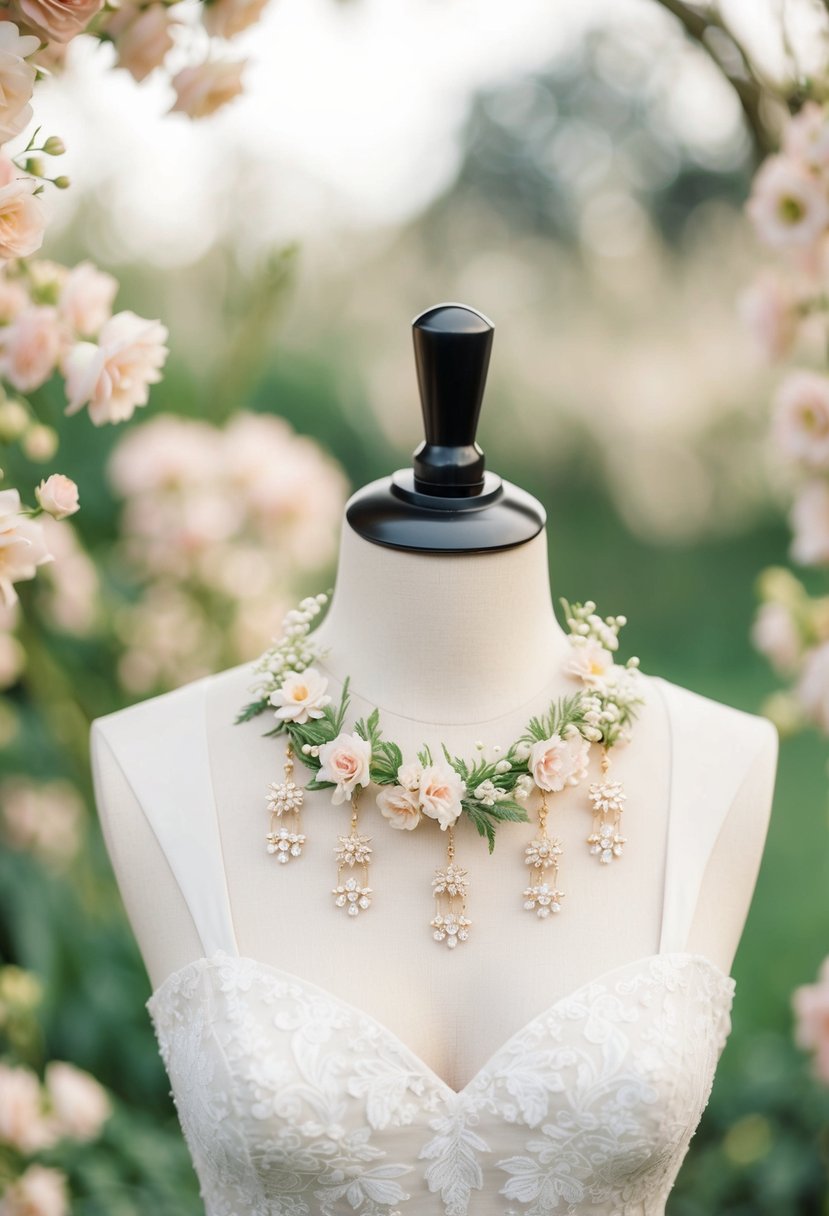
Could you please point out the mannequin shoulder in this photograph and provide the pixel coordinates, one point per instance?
(753, 735)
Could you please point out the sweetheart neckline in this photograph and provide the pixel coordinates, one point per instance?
(223, 957)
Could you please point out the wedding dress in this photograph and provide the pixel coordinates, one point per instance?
(294, 1102)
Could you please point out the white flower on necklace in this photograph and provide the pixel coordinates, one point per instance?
(400, 806)
(556, 762)
(302, 696)
(441, 791)
(409, 775)
(345, 761)
(590, 661)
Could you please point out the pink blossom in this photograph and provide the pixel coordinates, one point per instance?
(800, 421)
(115, 376)
(80, 1104)
(227, 18)
(44, 819)
(17, 79)
(13, 299)
(142, 37)
(809, 521)
(775, 635)
(39, 1191)
(557, 762)
(769, 312)
(56, 20)
(810, 1003)
(203, 89)
(58, 496)
(806, 136)
(70, 589)
(86, 297)
(22, 546)
(22, 219)
(23, 1122)
(788, 204)
(30, 348)
(344, 762)
(440, 793)
(812, 689)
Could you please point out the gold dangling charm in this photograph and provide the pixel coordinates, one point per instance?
(285, 798)
(353, 850)
(450, 884)
(542, 853)
(608, 798)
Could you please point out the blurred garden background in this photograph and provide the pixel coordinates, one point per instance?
(580, 174)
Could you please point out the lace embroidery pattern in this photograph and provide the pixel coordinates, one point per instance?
(294, 1103)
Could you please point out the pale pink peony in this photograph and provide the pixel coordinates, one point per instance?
(440, 794)
(812, 689)
(44, 819)
(115, 376)
(17, 80)
(345, 761)
(80, 1104)
(809, 521)
(56, 20)
(227, 18)
(22, 219)
(86, 297)
(800, 421)
(23, 1122)
(39, 1191)
(400, 806)
(205, 88)
(769, 312)
(810, 1004)
(58, 496)
(30, 348)
(589, 660)
(775, 635)
(788, 204)
(556, 762)
(806, 136)
(142, 38)
(22, 546)
(302, 696)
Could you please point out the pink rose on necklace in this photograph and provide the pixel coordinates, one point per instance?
(345, 761)
(400, 806)
(441, 791)
(556, 762)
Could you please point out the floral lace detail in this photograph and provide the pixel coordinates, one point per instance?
(295, 1103)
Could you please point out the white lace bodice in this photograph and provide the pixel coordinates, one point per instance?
(295, 1102)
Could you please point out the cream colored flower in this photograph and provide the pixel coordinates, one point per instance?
(58, 496)
(30, 348)
(788, 204)
(79, 1103)
(39, 1191)
(345, 761)
(86, 297)
(115, 376)
(589, 660)
(409, 775)
(17, 79)
(556, 762)
(56, 20)
(205, 88)
(441, 791)
(302, 696)
(809, 521)
(142, 37)
(23, 1123)
(800, 422)
(43, 818)
(227, 18)
(22, 546)
(400, 806)
(22, 219)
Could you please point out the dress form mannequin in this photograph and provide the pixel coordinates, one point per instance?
(452, 648)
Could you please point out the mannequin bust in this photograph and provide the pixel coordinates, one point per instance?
(453, 647)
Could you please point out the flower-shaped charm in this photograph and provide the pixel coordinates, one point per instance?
(607, 797)
(451, 928)
(542, 899)
(542, 852)
(285, 844)
(451, 880)
(353, 850)
(284, 797)
(351, 896)
(607, 842)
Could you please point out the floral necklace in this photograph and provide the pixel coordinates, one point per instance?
(551, 754)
